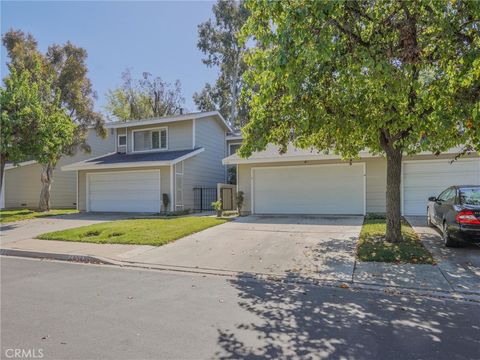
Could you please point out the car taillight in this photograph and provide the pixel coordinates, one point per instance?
(467, 217)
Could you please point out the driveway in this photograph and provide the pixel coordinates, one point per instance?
(313, 246)
(29, 229)
(459, 266)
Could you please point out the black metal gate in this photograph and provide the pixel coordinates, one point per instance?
(203, 198)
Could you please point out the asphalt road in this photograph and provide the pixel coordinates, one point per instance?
(75, 311)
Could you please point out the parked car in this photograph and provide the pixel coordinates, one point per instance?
(456, 212)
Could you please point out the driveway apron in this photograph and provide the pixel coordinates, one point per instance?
(309, 246)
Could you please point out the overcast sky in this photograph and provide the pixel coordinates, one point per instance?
(158, 37)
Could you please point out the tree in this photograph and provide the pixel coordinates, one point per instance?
(20, 106)
(64, 67)
(145, 98)
(393, 77)
(218, 41)
(34, 125)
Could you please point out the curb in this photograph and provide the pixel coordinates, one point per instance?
(287, 279)
(55, 256)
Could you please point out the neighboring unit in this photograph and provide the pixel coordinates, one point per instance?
(308, 182)
(153, 157)
(22, 184)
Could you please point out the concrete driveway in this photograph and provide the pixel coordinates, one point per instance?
(459, 266)
(29, 229)
(313, 246)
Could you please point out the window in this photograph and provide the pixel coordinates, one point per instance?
(234, 148)
(146, 140)
(122, 140)
(447, 195)
(470, 196)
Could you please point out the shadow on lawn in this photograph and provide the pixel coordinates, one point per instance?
(302, 321)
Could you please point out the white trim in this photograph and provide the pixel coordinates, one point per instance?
(118, 140)
(473, 159)
(252, 179)
(82, 165)
(87, 192)
(159, 139)
(402, 181)
(170, 119)
(172, 187)
(193, 133)
(189, 155)
(2, 192)
(87, 187)
(23, 163)
(234, 137)
(77, 191)
(234, 159)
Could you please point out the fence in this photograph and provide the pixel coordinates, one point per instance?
(203, 198)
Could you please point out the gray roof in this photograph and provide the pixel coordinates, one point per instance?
(121, 160)
(118, 158)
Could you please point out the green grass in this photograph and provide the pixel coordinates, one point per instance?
(372, 247)
(136, 231)
(25, 214)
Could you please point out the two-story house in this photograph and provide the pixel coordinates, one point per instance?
(154, 159)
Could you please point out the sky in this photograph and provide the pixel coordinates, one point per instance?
(159, 37)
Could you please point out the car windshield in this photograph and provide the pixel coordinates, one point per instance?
(470, 196)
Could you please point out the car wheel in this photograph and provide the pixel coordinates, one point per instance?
(447, 239)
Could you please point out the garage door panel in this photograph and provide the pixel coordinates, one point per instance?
(324, 189)
(125, 191)
(422, 179)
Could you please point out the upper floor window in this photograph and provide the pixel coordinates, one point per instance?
(122, 140)
(151, 139)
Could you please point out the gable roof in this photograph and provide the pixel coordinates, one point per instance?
(174, 118)
(120, 160)
(272, 154)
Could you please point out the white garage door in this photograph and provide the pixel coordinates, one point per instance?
(137, 191)
(315, 189)
(422, 179)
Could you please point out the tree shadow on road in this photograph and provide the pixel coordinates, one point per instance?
(304, 321)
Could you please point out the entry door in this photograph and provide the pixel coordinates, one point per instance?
(120, 191)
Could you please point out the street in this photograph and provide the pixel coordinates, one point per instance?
(84, 311)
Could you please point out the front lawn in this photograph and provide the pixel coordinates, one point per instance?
(25, 214)
(372, 247)
(136, 231)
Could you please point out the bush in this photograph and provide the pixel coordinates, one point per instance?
(239, 201)
(375, 216)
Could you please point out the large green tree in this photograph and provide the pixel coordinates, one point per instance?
(219, 42)
(144, 98)
(34, 126)
(20, 106)
(393, 77)
(64, 66)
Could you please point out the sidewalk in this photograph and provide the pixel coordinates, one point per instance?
(430, 278)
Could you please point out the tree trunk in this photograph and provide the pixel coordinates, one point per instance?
(3, 161)
(394, 173)
(47, 179)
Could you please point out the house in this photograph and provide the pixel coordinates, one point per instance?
(153, 160)
(22, 185)
(308, 182)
